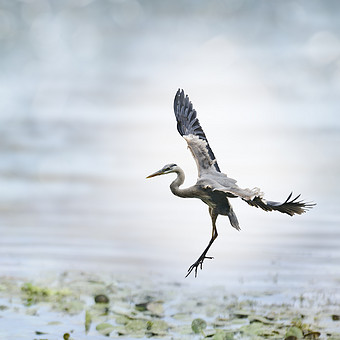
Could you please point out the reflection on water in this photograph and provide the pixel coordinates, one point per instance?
(89, 115)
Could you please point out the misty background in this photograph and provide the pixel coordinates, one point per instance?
(86, 94)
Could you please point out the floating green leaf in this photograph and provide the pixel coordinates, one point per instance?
(122, 319)
(156, 308)
(32, 294)
(241, 314)
(198, 326)
(312, 335)
(294, 331)
(105, 328)
(158, 326)
(221, 334)
(259, 318)
(88, 321)
(141, 307)
(138, 325)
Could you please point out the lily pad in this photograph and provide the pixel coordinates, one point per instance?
(241, 314)
(156, 308)
(312, 335)
(294, 331)
(198, 326)
(105, 328)
(259, 330)
(122, 319)
(138, 325)
(141, 307)
(159, 326)
(259, 318)
(221, 335)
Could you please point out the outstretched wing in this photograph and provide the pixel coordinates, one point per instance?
(190, 129)
(289, 206)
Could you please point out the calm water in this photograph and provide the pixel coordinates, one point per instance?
(86, 114)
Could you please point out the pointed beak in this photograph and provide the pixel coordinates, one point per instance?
(157, 173)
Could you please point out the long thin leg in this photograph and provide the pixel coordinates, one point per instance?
(199, 262)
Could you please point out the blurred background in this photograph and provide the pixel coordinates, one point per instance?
(86, 95)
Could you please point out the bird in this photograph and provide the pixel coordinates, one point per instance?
(213, 187)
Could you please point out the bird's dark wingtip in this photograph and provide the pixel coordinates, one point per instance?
(187, 121)
(178, 97)
(178, 93)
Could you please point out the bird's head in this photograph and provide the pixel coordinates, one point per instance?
(167, 169)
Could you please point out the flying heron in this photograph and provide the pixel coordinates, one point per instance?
(214, 187)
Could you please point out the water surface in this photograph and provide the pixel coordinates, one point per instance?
(86, 115)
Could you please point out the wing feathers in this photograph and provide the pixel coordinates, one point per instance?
(289, 206)
(189, 127)
(209, 172)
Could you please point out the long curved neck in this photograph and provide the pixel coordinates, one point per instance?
(175, 185)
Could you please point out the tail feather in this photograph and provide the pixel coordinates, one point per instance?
(233, 219)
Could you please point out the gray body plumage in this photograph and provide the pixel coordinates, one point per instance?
(213, 187)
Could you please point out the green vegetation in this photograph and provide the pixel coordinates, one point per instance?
(137, 310)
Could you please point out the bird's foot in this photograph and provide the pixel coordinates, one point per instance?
(198, 263)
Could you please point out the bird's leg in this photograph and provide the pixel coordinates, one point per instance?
(199, 262)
